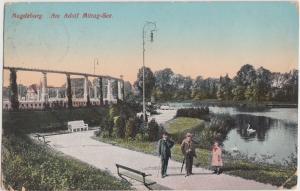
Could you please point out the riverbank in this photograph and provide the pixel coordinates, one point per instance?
(246, 105)
(264, 173)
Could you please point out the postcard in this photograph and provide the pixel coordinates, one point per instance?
(150, 95)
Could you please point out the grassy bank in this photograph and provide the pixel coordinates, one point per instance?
(179, 126)
(37, 167)
(265, 173)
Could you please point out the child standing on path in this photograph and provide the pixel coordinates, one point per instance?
(216, 160)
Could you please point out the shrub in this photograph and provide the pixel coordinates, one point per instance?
(120, 127)
(131, 128)
(200, 112)
(153, 130)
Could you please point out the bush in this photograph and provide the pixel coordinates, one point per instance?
(200, 112)
(49, 121)
(131, 128)
(120, 127)
(154, 130)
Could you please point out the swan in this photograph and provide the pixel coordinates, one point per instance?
(250, 130)
(235, 149)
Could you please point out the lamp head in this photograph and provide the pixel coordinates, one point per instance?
(151, 36)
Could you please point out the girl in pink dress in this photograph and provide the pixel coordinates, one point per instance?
(216, 160)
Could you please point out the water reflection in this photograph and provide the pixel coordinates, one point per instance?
(273, 137)
(260, 124)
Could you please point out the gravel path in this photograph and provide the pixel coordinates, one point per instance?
(104, 156)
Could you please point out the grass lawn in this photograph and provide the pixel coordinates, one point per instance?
(181, 124)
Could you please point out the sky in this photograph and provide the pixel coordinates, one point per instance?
(196, 38)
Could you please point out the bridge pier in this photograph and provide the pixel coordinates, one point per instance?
(120, 92)
(69, 91)
(101, 90)
(95, 90)
(14, 102)
(86, 96)
(44, 89)
(109, 92)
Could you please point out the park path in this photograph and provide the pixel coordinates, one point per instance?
(104, 156)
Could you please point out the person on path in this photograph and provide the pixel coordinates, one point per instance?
(216, 160)
(188, 151)
(164, 150)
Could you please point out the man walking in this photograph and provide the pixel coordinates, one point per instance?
(188, 151)
(164, 151)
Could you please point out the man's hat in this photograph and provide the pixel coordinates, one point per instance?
(165, 133)
(189, 135)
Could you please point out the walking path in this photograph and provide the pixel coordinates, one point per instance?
(104, 156)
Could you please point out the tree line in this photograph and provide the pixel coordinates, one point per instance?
(249, 84)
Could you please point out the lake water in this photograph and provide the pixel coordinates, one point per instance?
(275, 139)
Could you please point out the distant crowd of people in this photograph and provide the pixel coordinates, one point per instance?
(188, 150)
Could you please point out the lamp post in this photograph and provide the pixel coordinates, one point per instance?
(152, 27)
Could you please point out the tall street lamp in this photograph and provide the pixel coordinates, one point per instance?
(148, 26)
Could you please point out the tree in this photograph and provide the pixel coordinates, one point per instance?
(245, 76)
(291, 86)
(149, 82)
(204, 88)
(238, 93)
(163, 82)
(182, 86)
(262, 84)
(127, 90)
(225, 88)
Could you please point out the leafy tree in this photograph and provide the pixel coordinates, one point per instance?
(149, 82)
(246, 75)
(204, 88)
(291, 86)
(262, 84)
(181, 86)
(163, 82)
(238, 93)
(128, 94)
(225, 88)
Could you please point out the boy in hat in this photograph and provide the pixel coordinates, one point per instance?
(164, 151)
(188, 150)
